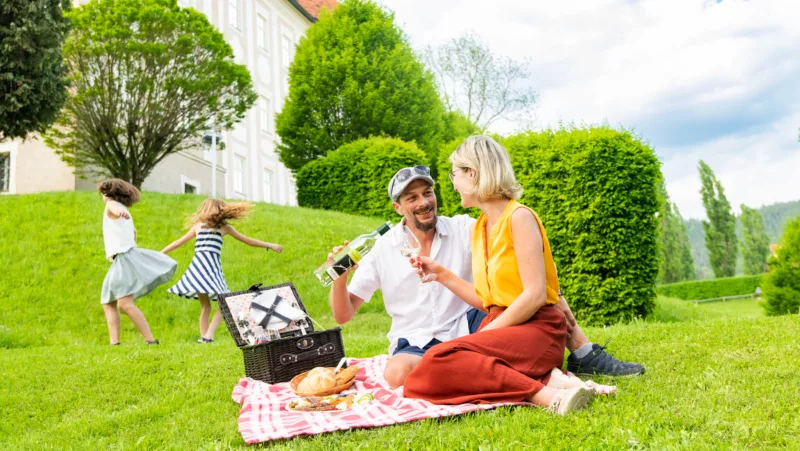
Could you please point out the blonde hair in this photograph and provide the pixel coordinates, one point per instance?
(217, 213)
(120, 191)
(494, 177)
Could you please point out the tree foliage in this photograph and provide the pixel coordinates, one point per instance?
(720, 228)
(32, 75)
(354, 76)
(596, 191)
(148, 77)
(483, 86)
(782, 283)
(755, 242)
(675, 262)
(355, 178)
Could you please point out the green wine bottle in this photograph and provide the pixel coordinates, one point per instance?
(349, 255)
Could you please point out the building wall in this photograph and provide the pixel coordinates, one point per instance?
(36, 168)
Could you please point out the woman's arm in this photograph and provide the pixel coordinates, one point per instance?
(460, 287)
(180, 241)
(529, 247)
(251, 241)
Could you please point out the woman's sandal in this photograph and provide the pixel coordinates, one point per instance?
(154, 342)
(205, 340)
(114, 344)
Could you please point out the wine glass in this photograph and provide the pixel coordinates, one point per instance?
(410, 247)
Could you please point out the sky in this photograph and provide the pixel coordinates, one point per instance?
(701, 79)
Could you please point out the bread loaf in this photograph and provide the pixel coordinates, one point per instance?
(318, 379)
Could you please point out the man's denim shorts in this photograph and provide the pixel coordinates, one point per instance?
(474, 318)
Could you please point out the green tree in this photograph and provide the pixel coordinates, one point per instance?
(755, 242)
(32, 74)
(720, 228)
(675, 264)
(147, 78)
(781, 285)
(354, 76)
(687, 261)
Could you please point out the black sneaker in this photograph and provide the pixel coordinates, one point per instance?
(599, 362)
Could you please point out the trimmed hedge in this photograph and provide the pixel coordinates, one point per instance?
(595, 190)
(708, 289)
(355, 177)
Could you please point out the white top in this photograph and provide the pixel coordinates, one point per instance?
(420, 312)
(118, 234)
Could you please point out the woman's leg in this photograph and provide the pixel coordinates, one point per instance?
(205, 312)
(502, 365)
(112, 318)
(129, 308)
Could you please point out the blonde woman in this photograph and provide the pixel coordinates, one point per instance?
(520, 343)
(204, 280)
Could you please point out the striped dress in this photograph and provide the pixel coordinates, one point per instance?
(204, 274)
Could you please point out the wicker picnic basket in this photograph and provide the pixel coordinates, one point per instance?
(282, 359)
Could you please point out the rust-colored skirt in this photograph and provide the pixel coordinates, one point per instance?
(501, 365)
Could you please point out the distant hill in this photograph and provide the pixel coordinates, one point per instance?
(775, 216)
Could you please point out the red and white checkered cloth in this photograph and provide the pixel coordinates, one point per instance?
(264, 416)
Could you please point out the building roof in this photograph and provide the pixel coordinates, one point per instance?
(311, 8)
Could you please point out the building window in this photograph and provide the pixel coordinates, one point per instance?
(5, 172)
(234, 9)
(265, 114)
(262, 33)
(267, 185)
(189, 189)
(238, 174)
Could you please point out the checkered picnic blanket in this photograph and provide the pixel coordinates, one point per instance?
(264, 416)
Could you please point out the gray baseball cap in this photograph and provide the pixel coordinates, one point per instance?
(405, 176)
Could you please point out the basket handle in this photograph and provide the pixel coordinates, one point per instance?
(328, 348)
(255, 287)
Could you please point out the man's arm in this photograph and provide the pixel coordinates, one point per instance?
(343, 303)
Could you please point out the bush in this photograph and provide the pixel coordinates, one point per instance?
(707, 289)
(782, 283)
(595, 190)
(355, 177)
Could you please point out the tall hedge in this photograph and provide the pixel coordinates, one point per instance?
(355, 177)
(782, 283)
(595, 190)
(708, 289)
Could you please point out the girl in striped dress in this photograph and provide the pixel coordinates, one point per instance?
(203, 279)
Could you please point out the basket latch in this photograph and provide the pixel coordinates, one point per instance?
(328, 348)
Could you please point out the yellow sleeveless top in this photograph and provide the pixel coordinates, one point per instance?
(494, 263)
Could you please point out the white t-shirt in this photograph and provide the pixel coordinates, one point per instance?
(420, 312)
(118, 234)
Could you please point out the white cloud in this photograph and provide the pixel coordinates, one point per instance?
(697, 79)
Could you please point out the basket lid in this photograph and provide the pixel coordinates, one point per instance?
(231, 304)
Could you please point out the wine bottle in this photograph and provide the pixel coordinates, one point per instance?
(349, 255)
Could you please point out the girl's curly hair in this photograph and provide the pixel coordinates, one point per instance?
(215, 213)
(120, 191)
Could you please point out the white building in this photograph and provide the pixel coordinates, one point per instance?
(263, 35)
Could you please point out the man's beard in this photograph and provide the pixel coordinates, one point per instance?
(425, 226)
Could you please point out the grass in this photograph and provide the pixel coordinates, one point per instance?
(718, 375)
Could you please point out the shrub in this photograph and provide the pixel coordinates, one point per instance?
(782, 283)
(595, 190)
(355, 177)
(708, 289)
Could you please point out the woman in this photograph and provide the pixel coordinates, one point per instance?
(520, 343)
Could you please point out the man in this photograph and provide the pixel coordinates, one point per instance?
(424, 315)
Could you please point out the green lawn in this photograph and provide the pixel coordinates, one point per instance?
(718, 375)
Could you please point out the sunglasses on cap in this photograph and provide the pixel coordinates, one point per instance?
(406, 173)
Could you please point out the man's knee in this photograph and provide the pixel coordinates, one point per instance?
(397, 371)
